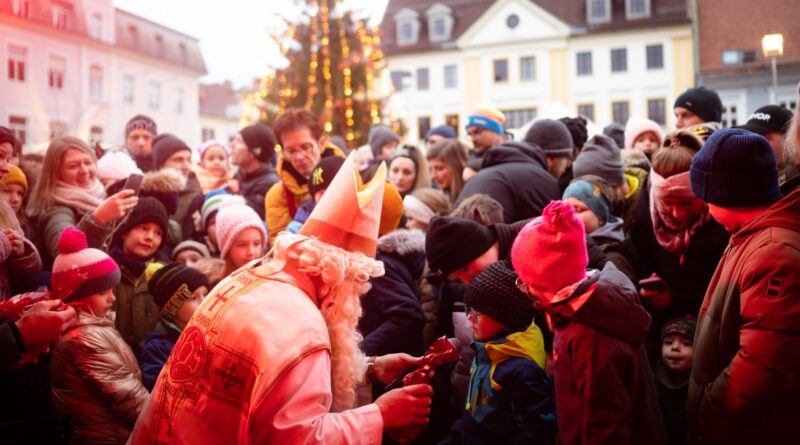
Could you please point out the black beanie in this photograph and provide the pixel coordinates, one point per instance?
(451, 243)
(173, 285)
(494, 292)
(703, 102)
(7, 135)
(166, 145)
(577, 129)
(260, 141)
(147, 210)
(322, 174)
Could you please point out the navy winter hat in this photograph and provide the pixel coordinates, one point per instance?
(445, 131)
(736, 168)
(701, 101)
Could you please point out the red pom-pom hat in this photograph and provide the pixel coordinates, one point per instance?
(80, 271)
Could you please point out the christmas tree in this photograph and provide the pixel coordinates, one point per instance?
(334, 62)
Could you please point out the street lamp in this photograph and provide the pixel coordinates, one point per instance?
(772, 44)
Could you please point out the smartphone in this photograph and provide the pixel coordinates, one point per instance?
(134, 182)
(655, 284)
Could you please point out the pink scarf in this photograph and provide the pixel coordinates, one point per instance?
(85, 199)
(671, 234)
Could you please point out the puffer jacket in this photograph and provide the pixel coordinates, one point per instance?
(510, 398)
(745, 382)
(277, 209)
(57, 218)
(515, 174)
(96, 380)
(604, 386)
(254, 186)
(137, 313)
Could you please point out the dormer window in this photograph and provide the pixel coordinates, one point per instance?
(22, 8)
(134, 33)
(440, 22)
(59, 17)
(96, 25)
(637, 9)
(160, 45)
(408, 25)
(598, 11)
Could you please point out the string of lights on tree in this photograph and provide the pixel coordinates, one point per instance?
(334, 62)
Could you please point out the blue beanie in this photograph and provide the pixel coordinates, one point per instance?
(445, 131)
(591, 195)
(736, 168)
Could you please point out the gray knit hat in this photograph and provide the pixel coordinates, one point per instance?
(494, 293)
(379, 136)
(601, 157)
(553, 136)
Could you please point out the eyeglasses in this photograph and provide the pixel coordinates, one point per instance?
(301, 150)
(522, 286)
(471, 312)
(475, 132)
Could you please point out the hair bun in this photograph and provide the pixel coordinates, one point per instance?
(71, 240)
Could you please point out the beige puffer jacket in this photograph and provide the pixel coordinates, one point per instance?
(96, 379)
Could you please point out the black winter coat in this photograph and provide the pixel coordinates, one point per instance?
(253, 186)
(515, 174)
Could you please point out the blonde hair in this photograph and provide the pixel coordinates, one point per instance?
(676, 153)
(345, 277)
(481, 208)
(42, 197)
(454, 154)
(436, 200)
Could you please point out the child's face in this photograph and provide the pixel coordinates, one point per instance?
(676, 352)
(188, 257)
(13, 194)
(647, 142)
(211, 230)
(186, 311)
(590, 221)
(483, 327)
(215, 160)
(100, 303)
(142, 241)
(246, 247)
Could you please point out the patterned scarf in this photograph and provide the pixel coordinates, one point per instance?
(671, 234)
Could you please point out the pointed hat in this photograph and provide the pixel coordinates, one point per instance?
(349, 213)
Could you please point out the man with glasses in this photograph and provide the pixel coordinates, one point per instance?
(303, 144)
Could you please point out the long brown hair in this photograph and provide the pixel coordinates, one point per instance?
(454, 154)
(676, 153)
(42, 196)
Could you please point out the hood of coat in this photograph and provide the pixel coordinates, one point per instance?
(408, 246)
(292, 179)
(166, 180)
(514, 151)
(610, 231)
(613, 307)
(524, 344)
(784, 213)
(86, 318)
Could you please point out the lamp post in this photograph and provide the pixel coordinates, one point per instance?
(772, 44)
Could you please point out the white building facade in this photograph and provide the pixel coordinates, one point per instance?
(83, 68)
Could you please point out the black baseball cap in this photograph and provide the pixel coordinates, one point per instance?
(768, 119)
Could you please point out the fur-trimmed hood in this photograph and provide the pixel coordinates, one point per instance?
(402, 242)
(166, 180)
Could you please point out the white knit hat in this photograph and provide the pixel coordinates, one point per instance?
(232, 219)
(638, 125)
(116, 166)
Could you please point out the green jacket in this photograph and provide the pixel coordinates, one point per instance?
(58, 218)
(137, 313)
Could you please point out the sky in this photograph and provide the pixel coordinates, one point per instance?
(234, 34)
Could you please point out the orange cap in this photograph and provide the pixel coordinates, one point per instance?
(349, 213)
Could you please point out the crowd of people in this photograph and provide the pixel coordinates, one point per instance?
(638, 286)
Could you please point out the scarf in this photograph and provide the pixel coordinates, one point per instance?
(670, 233)
(135, 266)
(84, 199)
(209, 181)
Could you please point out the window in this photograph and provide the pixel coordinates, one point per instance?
(440, 22)
(184, 55)
(19, 126)
(584, 62)
(17, 59)
(96, 83)
(423, 125)
(586, 110)
(438, 29)
(55, 72)
(128, 89)
(57, 129)
(450, 76)
(160, 45)
(154, 96)
(619, 60)
(134, 33)
(730, 116)
(655, 56)
(527, 68)
(96, 25)
(739, 56)
(619, 111)
(21, 8)
(598, 11)
(423, 83)
(657, 111)
(637, 9)
(452, 120)
(512, 21)
(397, 79)
(406, 32)
(408, 24)
(179, 100)
(518, 118)
(59, 17)
(208, 134)
(96, 134)
(501, 70)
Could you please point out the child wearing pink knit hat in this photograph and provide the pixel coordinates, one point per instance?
(91, 358)
(241, 235)
(604, 386)
(643, 134)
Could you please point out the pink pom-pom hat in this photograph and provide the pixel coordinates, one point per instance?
(80, 271)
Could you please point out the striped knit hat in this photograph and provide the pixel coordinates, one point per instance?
(491, 119)
(80, 271)
(212, 203)
(15, 175)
